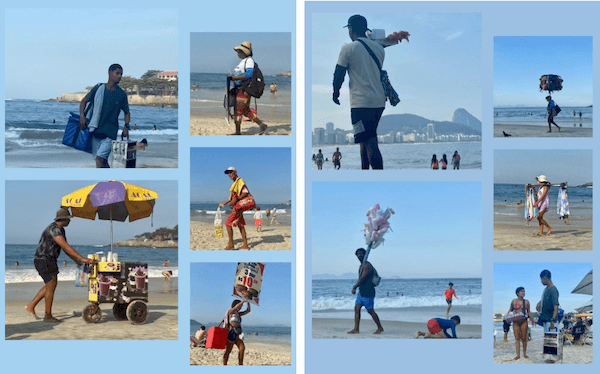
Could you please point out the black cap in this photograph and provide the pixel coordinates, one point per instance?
(357, 23)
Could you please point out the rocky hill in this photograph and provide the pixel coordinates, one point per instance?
(407, 123)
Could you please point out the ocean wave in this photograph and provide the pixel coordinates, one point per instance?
(34, 143)
(68, 274)
(154, 132)
(347, 303)
(507, 214)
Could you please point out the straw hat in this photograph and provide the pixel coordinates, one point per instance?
(245, 48)
(541, 178)
(63, 213)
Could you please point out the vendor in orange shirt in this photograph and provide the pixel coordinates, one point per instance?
(448, 294)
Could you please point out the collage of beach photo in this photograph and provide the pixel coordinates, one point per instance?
(299, 186)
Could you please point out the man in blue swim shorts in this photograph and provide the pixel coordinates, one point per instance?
(366, 293)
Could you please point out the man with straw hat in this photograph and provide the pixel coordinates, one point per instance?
(52, 240)
(241, 73)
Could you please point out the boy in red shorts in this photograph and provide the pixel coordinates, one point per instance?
(437, 328)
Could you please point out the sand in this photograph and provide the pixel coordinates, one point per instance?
(536, 131)
(69, 301)
(329, 328)
(272, 238)
(562, 238)
(256, 354)
(207, 125)
(505, 352)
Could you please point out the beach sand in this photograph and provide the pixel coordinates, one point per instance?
(505, 352)
(563, 237)
(256, 354)
(329, 328)
(272, 238)
(69, 301)
(213, 125)
(535, 131)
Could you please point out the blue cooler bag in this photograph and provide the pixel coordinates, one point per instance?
(75, 137)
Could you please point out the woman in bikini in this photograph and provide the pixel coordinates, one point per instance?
(434, 163)
(542, 203)
(520, 307)
(233, 322)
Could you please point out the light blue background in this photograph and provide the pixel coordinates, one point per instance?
(160, 356)
(470, 356)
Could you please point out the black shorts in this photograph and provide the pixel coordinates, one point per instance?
(550, 118)
(47, 269)
(449, 301)
(370, 118)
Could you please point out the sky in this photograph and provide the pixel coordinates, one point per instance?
(211, 291)
(442, 59)
(213, 52)
(54, 51)
(522, 166)
(36, 202)
(436, 228)
(565, 276)
(266, 171)
(520, 61)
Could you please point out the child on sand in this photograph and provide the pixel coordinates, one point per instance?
(437, 328)
(258, 216)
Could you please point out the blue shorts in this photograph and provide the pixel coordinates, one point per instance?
(101, 147)
(367, 302)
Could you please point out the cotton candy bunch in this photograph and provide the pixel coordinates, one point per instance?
(378, 225)
(398, 36)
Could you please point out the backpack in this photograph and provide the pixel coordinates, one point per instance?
(255, 86)
(376, 277)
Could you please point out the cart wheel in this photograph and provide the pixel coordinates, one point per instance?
(120, 311)
(137, 312)
(92, 313)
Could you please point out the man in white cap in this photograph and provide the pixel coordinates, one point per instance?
(543, 202)
(52, 240)
(239, 201)
(367, 98)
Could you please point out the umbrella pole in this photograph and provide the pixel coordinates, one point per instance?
(111, 229)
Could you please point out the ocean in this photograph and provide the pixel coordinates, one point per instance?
(265, 334)
(506, 197)
(399, 299)
(30, 132)
(405, 155)
(208, 97)
(25, 272)
(523, 115)
(205, 212)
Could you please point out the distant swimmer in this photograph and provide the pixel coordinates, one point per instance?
(437, 328)
(520, 202)
(135, 126)
(505, 134)
(273, 88)
(17, 263)
(155, 128)
(64, 262)
(579, 115)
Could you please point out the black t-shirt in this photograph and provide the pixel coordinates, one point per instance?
(47, 248)
(114, 101)
(366, 288)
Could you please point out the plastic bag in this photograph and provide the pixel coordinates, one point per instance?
(81, 277)
(218, 224)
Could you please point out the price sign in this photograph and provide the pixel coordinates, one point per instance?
(248, 281)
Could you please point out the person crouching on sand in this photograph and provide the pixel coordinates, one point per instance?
(366, 293)
(542, 203)
(437, 328)
(239, 200)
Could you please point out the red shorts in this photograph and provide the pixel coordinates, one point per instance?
(433, 326)
(258, 222)
(236, 218)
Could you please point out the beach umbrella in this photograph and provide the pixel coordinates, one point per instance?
(585, 286)
(583, 315)
(113, 201)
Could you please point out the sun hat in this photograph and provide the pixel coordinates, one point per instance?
(62, 213)
(245, 47)
(541, 178)
(230, 169)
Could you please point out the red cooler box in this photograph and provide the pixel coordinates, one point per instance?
(216, 338)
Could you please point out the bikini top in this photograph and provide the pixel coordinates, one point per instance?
(516, 306)
(235, 317)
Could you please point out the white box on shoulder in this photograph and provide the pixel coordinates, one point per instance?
(378, 35)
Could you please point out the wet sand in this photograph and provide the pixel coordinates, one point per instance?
(538, 131)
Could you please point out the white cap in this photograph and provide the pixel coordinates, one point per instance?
(541, 178)
(230, 170)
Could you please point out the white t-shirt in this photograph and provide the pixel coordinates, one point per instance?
(366, 90)
(245, 64)
(259, 215)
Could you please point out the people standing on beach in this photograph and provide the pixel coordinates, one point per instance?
(448, 295)
(273, 88)
(268, 211)
(233, 322)
(580, 116)
(444, 162)
(367, 98)
(107, 101)
(241, 73)
(434, 163)
(239, 200)
(542, 203)
(548, 305)
(337, 159)
(574, 114)
(53, 239)
(366, 293)
(166, 263)
(551, 113)
(65, 263)
(456, 161)
(274, 219)
(437, 328)
(506, 328)
(17, 263)
(258, 217)
(320, 160)
(520, 309)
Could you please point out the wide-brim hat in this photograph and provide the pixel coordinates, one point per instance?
(245, 47)
(63, 213)
(230, 169)
(541, 178)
